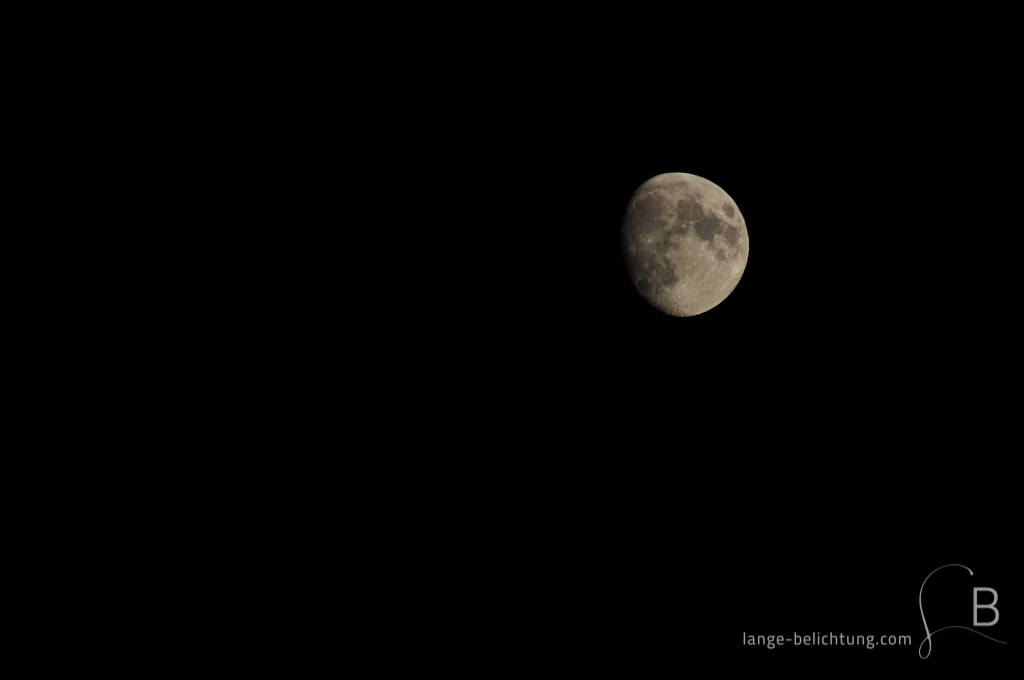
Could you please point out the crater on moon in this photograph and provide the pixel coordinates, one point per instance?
(684, 242)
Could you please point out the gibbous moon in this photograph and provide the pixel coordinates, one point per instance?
(685, 243)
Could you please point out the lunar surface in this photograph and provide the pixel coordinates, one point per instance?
(685, 243)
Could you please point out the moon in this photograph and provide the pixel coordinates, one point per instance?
(684, 242)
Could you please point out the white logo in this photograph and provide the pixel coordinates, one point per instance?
(991, 605)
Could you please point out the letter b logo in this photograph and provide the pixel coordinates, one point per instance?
(991, 605)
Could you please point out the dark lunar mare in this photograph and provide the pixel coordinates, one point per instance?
(732, 236)
(704, 224)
